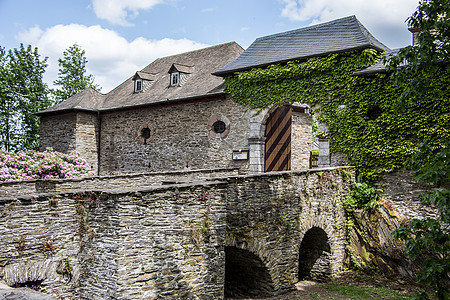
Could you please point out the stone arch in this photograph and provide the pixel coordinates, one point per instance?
(315, 255)
(246, 275)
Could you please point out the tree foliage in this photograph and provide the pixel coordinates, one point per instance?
(22, 94)
(72, 77)
(419, 66)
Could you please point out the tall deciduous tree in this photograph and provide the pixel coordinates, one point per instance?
(22, 94)
(420, 66)
(72, 77)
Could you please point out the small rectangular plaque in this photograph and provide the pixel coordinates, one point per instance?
(240, 154)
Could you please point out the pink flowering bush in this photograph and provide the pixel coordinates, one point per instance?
(28, 165)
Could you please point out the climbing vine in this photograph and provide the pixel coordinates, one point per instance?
(362, 112)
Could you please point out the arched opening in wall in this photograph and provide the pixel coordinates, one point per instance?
(246, 275)
(314, 256)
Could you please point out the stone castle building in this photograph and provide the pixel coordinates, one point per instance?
(171, 115)
(176, 114)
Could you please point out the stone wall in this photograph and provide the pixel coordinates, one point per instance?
(140, 242)
(77, 131)
(301, 140)
(34, 187)
(87, 138)
(58, 132)
(180, 135)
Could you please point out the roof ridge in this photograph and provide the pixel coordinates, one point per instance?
(191, 51)
(367, 35)
(311, 27)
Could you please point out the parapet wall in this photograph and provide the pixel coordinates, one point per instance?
(99, 183)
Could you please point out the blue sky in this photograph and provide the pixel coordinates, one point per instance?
(121, 37)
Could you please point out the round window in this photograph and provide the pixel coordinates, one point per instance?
(145, 134)
(219, 127)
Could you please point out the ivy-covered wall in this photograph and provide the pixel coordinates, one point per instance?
(362, 112)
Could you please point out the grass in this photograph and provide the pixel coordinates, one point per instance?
(358, 292)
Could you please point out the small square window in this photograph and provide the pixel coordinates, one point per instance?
(175, 79)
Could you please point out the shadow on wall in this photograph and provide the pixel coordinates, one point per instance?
(246, 275)
(314, 256)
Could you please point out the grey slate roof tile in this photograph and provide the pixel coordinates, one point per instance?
(340, 35)
(378, 67)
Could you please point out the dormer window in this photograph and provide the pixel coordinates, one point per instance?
(179, 74)
(142, 80)
(175, 79)
(138, 85)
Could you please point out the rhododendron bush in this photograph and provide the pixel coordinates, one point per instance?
(27, 165)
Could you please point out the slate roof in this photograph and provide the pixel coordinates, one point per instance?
(378, 67)
(201, 83)
(86, 100)
(340, 35)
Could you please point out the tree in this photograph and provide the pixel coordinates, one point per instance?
(72, 76)
(22, 94)
(422, 66)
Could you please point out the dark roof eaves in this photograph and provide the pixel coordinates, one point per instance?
(65, 110)
(162, 102)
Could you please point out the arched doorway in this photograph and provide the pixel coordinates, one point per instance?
(278, 140)
(246, 275)
(314, 256)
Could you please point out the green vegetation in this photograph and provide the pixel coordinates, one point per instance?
(428, 238)
(72, 74)
(358, 292)
(363, 195)
(23, 92)
(361, 112)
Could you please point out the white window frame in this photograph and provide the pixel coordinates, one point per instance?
(175, 79)
(138, 82)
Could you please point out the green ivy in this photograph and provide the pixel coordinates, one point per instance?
(342, 101)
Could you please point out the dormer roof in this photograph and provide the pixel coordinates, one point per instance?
(145, 76)
(181, 68)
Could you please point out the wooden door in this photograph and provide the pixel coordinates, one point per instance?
(278, 140)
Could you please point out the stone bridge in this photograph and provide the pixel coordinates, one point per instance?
(192, 238)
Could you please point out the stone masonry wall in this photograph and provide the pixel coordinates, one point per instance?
(301, 141)
(269, 215)
(168, 242)
(180, 134)
(58, 132)
(34, 187)
(87, 138)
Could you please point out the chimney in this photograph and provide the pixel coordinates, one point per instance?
(415, 32)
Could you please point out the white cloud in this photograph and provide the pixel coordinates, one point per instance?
(117, 11)
(384, 18)
(111, 58)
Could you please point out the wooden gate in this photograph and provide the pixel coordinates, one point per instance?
(278, 140)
